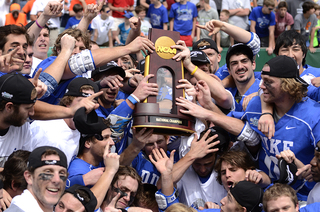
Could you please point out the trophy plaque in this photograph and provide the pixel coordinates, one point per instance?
(161, 112)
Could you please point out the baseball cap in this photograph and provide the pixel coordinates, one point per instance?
(239, 48)
(248, 195)
(109, 66)
(16, 88)
(88, 205)
(199, 56)
(284, 67)
(14, 7)
(205, 43)
(35, 160)
(74, 86)
(287, 172)
(128, 14)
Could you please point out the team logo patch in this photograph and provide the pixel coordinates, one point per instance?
(6, 95)
(254, 121)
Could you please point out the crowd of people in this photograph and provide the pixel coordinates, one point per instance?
(67, 140)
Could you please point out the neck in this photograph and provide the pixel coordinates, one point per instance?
(41, 56)
(284, 105)
(301, 69)
(306, 15)
(89, 158)
(243, 87)
(207, 7)
(157, 4)
(183, 2)
(104, 104)
(4, 125)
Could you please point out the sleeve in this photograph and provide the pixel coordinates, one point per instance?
(253, 15)
(249, 136)
(195, 11)
(254, 43)
(313, 93)
(171, 14)
(273, 19)
(224, 5)
(165, 16)
(297, 23)
(148, 12)
(34, 8)
(166, 201)
(76, 179)
(314, 21)
(247, 5)
(215, 15)
(68, 25)
(27, 7)
(290, 20)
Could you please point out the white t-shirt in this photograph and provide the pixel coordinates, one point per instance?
(314, 194)
(240, 21)
(194, 193)
(103, 27)
(25, 202)
(35, 63)
(4, 9)
(55, 133)
(13, 140)
(145, 26)
(39, 5)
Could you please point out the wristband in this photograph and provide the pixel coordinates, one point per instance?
(38, 24)
(136, 98)
(266, 114)
(194, 70)
(132, 99)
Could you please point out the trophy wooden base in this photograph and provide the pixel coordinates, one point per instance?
(147, 115)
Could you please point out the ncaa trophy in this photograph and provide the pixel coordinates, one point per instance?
(161, 112)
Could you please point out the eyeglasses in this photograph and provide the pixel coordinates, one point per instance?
(270, 8)
(107, 11)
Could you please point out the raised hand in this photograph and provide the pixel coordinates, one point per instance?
(161, 161)
(9, 63)
(53, 9)
(212, 26)
(40, 87)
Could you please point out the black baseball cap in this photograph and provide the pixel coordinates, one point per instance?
(16, 88)
(239, 48)
(198, 56)
(74, 86)
(287, 172)
(205, 43)
(108, 67)
(284, 67)
(248, 195)
(88, 205)
(35, 156)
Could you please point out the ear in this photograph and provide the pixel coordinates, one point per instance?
(28, 176)
(219, 58)
(297, 207)
(87, 144)
(254, 65)
(9, 107)
(13, 187)
(244, 209)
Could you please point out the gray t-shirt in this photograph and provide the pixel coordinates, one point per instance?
(295, 6)
(240, 21)
(205, 16)
(305, 25)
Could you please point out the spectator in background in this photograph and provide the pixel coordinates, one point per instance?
(183, 16)
(4, 9)
(145, 25)
(284, 20)
(158, 15)
(146, 3)
(316, 38)
(239, 11)
(124, 29)
(118, 8)
(262, 23)
(205, 15)
(295, 6)
(27, 8)
(75, 20)
(305, 23)
(225, 39)
(15, 16)
(83, 3)
(102, 25)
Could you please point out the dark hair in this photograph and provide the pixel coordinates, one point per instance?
(76, 33)
(282, 4)
(146, 198)
(8, 30)
(14, 168)
(104, 7)
(77, 8)
(289, 38)
(307, 6)
(139, 9)
(127, 171)
(235, 158)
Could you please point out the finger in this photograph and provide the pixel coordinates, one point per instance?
(36, 77)
(200, 26)
(100, 5)
(14, 51)
(147, 78)
(114, 200)
(172, 154)
(106, 149)
(93, 96)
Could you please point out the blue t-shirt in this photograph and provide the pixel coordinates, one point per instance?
(263, 21)
(183, 15)
(298, 130)
(157, 16)
(73, 23)
(123, 33)
(308, 74)
(77, 169)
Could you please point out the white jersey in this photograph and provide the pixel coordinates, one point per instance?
(55, 133)
(39, 5)
(13, 140)
(24, 202)
(103, 27)
(314, 194)
(194, 193)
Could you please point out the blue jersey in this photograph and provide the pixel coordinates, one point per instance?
(77, 169)
(263, 21)
(146, 169)
(158, 16)
(183, 15)
(73, 23)
(254, 88)
(308, 74)
(298, 130)
(314, 207)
